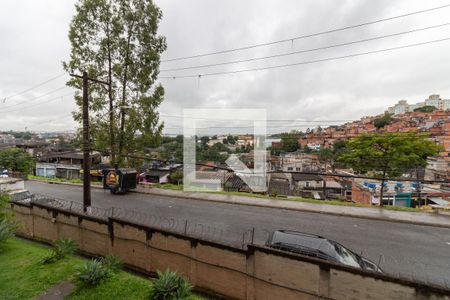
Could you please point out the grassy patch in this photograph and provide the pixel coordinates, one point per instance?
(23, 276)
(64, 180)
(308, 200)
(401, 208)
(316, 201)
(168, 186)
(120, 286)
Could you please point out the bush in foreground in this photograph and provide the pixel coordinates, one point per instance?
(170, 286)
(4, 199)
(93, 272)
(112, 263)
(7, 226)
(6, 230)
(61, 249)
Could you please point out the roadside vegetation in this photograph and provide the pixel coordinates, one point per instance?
(175, 187)
(7, 225)
(61, 249)
(24, 276)
(16, 160)
(63, 180)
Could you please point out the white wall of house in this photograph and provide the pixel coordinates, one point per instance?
(46, 170)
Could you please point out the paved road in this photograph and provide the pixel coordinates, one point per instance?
(408, 250)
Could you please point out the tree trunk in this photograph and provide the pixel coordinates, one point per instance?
(111, 104)
(124, 95)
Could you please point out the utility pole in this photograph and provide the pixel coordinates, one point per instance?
(86, 140)
(86, 146)
(419, 189)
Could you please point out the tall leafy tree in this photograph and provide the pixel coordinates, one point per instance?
(16, 160)
(388, 154)
(117, 41)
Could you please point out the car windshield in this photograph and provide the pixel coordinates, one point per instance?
(346, 257)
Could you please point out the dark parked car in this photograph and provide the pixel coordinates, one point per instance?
(319, 247)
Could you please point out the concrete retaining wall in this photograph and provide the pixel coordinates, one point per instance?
(255, 273)
(11, 184)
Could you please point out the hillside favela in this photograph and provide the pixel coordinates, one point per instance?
(224, 150)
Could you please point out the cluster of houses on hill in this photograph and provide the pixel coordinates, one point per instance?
(435, 123)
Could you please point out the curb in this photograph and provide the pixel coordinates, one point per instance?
(301, 209)
(65, 183)
(177, 194)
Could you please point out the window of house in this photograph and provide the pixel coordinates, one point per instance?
(290, 168)
(307, 184)
(298, 169)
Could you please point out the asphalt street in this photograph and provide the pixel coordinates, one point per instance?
(407, 250)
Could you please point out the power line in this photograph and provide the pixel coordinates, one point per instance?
(35, 86)
(305, 62)
(304, 51)
(61, 117)
(45, 122)
(307, 35)
(38, 97)
(38, 104)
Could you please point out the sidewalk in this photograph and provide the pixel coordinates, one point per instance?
(418, 218)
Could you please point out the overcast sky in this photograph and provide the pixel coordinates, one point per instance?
(33, 42)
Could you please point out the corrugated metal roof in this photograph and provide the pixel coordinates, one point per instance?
(439, 200)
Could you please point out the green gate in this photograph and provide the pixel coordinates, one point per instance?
(402, 199)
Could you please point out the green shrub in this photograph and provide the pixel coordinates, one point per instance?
(170, 286)
(92, 273)
(112, 263)
(4, 200)
(7, 226)
(6, 229)
(61, 249)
